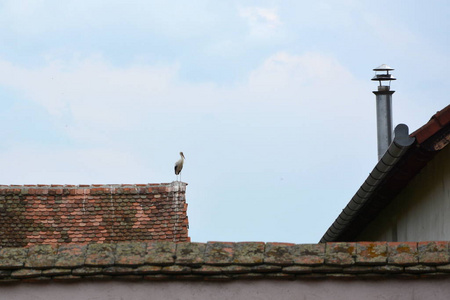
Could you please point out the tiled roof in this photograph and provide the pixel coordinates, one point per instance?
(429, 140)
(165, 260)
(437, 122)
(51, 214)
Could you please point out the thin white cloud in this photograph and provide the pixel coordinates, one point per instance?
(263, 22)
(162, 17)
(89, 86)
(96, 92)
(311, 81)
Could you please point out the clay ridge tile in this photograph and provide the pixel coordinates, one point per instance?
(224, 261)
(437, 122)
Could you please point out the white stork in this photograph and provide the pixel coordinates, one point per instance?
(179, 165)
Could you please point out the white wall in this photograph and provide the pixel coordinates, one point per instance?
(421, 212)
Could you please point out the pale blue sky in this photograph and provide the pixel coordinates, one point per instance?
(271, 101)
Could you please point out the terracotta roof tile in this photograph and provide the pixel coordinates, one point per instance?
(55, 214)
(340, 253)
(219, 253)
(278, 254)
(13, 258)
(191, 254)
(100, 255)
(249, 253)
(308, 254)
(71, 255)
(160, 253)
(433, 252)
(402, 253)
(130, 253)
(371, 253)
(40, 256)
(437, 121)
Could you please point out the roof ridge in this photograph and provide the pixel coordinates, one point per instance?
(84, 186)
(438, 121)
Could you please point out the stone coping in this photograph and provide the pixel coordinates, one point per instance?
(224, 261)
(91, 189)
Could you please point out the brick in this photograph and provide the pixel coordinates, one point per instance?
(402, 253)
(41, 256)
(249, 253)
(308, 254)
(219, 253)
(278, 254)
(371, 253)
(341, 254)
(433, 253)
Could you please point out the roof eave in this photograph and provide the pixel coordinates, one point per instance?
(402, 142)
(392, 173)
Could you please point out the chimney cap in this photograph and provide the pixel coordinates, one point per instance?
(383, 77)
(383, 67)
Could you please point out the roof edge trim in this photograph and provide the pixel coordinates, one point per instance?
(401, 143)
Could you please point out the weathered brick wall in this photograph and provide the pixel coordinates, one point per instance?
(53, 214)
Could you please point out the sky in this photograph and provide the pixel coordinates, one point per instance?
(270, 101)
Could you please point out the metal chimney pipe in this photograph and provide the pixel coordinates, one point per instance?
(384, 109)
